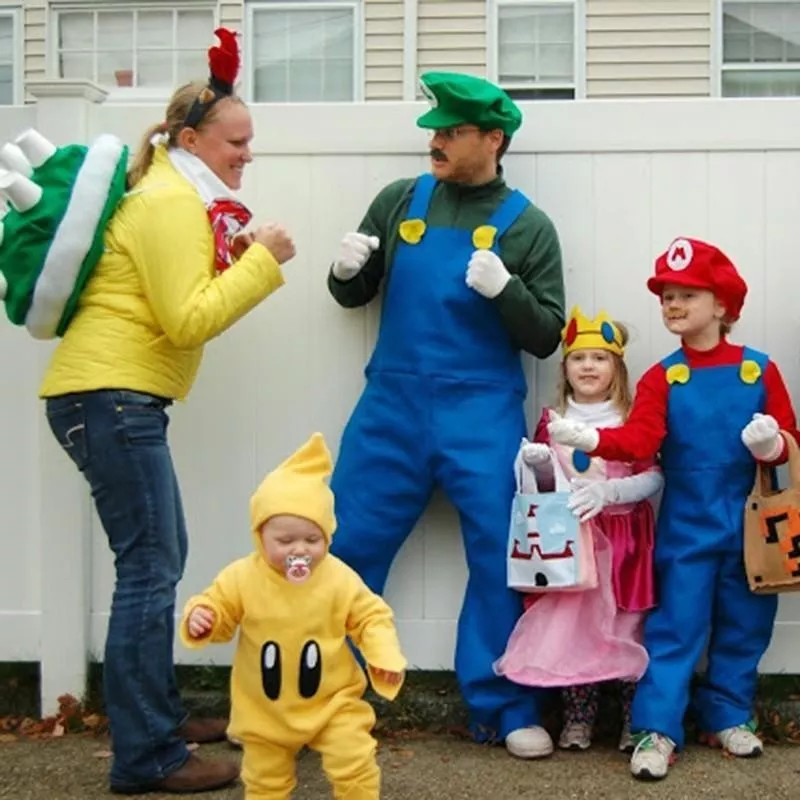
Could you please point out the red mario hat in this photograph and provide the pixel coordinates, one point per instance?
(690, 262)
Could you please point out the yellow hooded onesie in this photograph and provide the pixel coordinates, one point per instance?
(295, 681)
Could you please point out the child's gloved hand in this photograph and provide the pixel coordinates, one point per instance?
(533, 453)
(573, 434)
(761, 436)
(201, 621)
(589, 498)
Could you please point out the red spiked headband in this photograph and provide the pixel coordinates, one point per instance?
(223, 60)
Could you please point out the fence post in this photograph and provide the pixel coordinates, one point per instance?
(64, 115)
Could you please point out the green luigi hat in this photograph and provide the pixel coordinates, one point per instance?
(458, 99)
(60, 200)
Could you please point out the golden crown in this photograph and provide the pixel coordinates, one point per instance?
(582, 333)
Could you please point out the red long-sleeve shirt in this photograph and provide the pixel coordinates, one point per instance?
(643, 433)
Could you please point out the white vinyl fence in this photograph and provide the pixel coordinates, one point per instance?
(619, 179)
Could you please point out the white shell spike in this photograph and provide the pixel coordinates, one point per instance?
(36, 148)
(2, 282)
(22, 193)
(13, 158)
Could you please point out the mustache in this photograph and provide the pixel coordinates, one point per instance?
(438, 154)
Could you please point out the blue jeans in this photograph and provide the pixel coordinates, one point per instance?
(118, 440)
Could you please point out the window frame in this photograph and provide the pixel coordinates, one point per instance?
(14, 12)
(579, 44)
(717, 46)
(124, 93)
(359, 43)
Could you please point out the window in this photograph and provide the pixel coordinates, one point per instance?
(533, 48)
(304, 52)
(760, 49)
(9, 58)
(145, 45)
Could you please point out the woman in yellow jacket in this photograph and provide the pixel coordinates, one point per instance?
(168, 282)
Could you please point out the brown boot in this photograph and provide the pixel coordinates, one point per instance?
(193, 777)
(203, 731)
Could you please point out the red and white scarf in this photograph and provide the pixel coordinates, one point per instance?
(227, 215)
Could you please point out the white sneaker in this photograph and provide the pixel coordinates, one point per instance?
(627, 742)
(652, 757)
(575, 736)
(533, 742)
(741, 741)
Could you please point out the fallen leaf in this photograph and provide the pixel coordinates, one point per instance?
(58, 730)
(192, 746)
(7, 738)
(102, 754)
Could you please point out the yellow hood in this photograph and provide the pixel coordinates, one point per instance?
(298, 487)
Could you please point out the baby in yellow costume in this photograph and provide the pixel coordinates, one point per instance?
(295, 681)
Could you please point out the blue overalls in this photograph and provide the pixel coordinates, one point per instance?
(443, 405)
(702, 587)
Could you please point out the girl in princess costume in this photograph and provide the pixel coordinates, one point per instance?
(711, 409)
(577, 639)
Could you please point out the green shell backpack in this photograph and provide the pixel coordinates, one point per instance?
(59, 202)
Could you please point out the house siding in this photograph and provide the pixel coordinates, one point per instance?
(634, 48)
(383, 56)
(34, 31)
(451, 36)
(640, 48)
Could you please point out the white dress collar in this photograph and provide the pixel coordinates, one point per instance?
(595, 415)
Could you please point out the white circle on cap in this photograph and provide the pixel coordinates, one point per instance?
(680, 254)
(429, 95)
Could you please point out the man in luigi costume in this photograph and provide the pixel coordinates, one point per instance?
(471, 275)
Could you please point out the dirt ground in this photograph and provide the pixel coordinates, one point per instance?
(431, 768)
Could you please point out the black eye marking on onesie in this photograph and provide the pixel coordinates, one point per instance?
(310, 669)
(271, 670)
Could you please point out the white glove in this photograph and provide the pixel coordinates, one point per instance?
(573, 434)
(534, 454)
(589, 498)
(487, 274)
(761, 436)
(354, 250)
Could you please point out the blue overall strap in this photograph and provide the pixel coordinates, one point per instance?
(506, 214)
(678, 357)
(762, 359)
(421, 198)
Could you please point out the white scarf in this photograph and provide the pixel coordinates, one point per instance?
(226, 213)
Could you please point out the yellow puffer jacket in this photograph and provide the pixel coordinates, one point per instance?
(154, 298)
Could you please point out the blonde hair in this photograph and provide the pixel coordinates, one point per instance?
(178, 109)
(619, 392)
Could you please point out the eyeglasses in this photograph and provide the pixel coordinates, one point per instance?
(455, 132)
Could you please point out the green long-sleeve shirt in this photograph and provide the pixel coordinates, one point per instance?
(532, 303)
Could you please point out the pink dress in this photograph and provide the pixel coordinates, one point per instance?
(572, 638)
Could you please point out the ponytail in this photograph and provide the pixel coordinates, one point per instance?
(144, 155)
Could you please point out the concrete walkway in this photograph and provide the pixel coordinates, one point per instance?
(433, 768)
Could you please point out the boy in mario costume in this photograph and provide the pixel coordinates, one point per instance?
(711, 409)
(472, 276)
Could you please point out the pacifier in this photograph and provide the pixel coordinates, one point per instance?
(298, 568)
